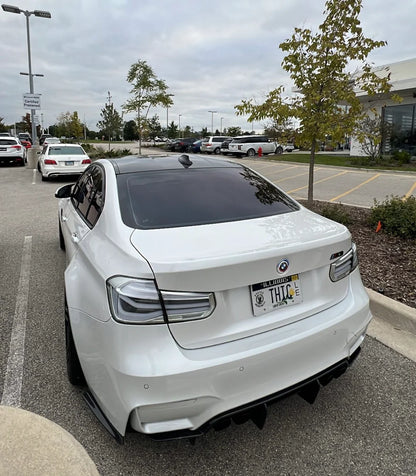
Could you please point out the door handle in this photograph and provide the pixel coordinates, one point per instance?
(74, 238)
(64, 218)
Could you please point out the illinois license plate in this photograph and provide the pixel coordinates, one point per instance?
(69, 162)
(280, 292)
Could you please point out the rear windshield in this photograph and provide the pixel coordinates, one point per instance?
(57, 150)
(8, 142)
(176, 198)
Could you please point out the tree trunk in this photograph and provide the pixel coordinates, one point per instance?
(311, 170)
(140, 131)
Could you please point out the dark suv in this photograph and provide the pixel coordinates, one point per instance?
(181, 145)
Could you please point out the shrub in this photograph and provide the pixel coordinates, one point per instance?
(397, 216)
(402, 157)
(336, 213)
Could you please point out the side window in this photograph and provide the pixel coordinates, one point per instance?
(97, 199)
(88, 196)
(84, 193)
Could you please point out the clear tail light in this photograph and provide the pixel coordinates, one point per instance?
(343, 266)
(138, 301)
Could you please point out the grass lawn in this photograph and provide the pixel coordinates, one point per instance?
(341, 161)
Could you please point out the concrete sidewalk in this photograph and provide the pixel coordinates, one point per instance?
(31, 445)
(393, 324)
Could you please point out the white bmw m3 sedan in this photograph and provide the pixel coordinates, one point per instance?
(197, 293)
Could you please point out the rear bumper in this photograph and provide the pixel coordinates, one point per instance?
(138, 374)
(50, 171)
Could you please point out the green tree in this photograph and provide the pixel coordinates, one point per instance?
(130, 131)
(111, 123)
(318, 65)
(3, 127)
(153, 127)
(172, 130)
(69, 125)
(147, 91)
(233, 131)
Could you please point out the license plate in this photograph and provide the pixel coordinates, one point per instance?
(274, 294)
(69, 162)
(2, 149)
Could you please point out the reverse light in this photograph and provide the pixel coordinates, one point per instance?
(138, 301)
(345, 265)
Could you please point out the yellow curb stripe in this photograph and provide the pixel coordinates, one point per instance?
(355, 188)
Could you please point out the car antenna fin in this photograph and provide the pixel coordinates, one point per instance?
(185, 161)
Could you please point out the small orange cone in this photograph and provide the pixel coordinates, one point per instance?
(378, 226)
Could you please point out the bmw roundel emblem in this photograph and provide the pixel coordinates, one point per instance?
(283, 266)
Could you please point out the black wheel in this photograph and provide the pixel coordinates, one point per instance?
(217, 150)
(279, 150)
(61, 238)
(39, 168)
(251, 153)
(44, 178)
(73, 366)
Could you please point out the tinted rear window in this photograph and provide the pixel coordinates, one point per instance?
(57, 150)
(175, 198)
(8, 142)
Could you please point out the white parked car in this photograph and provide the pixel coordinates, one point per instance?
(12, 151)
(62, 159)
(212, 144)
(51, 140)
(197, 292)
(250, 145)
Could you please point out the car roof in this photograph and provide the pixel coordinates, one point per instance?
(134, 163)
(59, 144)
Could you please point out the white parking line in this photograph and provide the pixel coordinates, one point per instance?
(14, 372)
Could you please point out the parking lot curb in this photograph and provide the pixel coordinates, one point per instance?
(394, 324)
(32, 445)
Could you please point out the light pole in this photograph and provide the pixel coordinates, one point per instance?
(180, 124)
(212, 120)
(221, 123)
(37, 13)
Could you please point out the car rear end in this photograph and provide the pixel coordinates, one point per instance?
(242, 300)
(12, 151)
(63, 159)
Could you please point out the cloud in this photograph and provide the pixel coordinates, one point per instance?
(211, 53)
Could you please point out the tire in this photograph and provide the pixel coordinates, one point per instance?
(279, 150)
(73, 366)
(40, 171)
(217, 151)
(44, 178)
(61, 238)
(251, 153)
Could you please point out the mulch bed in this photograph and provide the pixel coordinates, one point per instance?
(387, 263)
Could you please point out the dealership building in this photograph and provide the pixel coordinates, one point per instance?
(400, 116)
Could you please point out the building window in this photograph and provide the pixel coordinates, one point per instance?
(400, 130)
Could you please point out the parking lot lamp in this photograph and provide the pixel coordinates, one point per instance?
(37, 13)
(212, 120)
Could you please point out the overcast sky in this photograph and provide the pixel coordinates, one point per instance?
(211, 53)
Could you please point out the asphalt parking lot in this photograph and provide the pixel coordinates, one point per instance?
(362, 423)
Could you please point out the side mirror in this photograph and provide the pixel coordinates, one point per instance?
(65, 191)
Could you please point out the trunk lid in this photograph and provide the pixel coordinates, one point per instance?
(228, 258)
